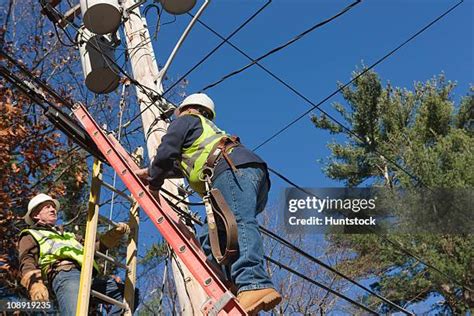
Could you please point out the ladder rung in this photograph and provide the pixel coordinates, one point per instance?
(107, 221)
(111, 260)
(109, 300)
(121, 193)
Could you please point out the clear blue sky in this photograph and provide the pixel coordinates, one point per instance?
(254, 106)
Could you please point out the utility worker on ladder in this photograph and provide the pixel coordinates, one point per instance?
(211, 159)
(49, 255)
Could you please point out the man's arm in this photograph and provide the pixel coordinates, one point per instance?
(109, 239)
(29, 268)
(28, 250)
(182, 132)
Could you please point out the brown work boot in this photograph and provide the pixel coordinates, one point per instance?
(255, 300)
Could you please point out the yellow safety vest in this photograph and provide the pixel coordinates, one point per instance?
(193, 158)
(55, 246)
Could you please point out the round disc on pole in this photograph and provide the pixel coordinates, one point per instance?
(101, 16)
(177, 6)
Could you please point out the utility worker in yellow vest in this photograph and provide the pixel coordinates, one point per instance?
(192, 143)
(50, 256)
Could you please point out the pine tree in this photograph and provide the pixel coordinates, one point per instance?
(431, 137)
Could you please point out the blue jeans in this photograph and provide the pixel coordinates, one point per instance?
(66, 287)
(246, 193)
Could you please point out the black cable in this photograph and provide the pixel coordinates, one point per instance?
(224, 40)
(208, 55)
(396, 245)
(180, 200)
(281, 265)
(274, 50)
(158, 20)
(270, 234)
(153, 97)
(290, 246)
(289, 181)
(359, 137)
(328, 267)
(316, 106)
(183, 213)
(59, 37)
(359, 75)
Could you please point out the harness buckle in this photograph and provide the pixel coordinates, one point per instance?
(206, 174)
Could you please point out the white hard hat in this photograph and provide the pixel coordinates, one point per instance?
(34, 202)
(199, 99)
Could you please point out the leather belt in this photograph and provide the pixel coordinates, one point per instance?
(221, 150)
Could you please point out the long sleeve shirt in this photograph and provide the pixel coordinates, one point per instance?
(182, 133)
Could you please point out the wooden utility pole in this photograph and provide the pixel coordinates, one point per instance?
(145, 70)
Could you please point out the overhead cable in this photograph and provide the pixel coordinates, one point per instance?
(327, 288)
(276, 49)
(328, 267)
(224, 40)
(298, 250)
(380, 60)
(317, 106)
(207, 56)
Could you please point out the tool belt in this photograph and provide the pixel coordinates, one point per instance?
(220, 218)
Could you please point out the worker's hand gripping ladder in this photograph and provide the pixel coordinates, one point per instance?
(221, 301)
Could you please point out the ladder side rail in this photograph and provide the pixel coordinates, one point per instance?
(193, 258)
(89, 242)
(131, 259)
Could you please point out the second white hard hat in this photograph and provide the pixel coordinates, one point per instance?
(34, 202)
(200, 99)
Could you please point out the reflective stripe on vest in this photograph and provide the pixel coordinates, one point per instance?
(55, 246)
(194, 157)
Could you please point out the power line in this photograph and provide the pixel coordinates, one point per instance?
(317, 106)
(272, 235)
(289, 245)
(327, 288)
(207, 55)
(328, 267)
(274, 50)
(146, 90)
(396, 245)
(224, 40)
(364, 141)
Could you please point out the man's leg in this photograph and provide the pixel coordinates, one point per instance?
(66, 287)
(245, 192)
(109, 287)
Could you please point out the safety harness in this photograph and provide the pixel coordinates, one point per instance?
(220, 218)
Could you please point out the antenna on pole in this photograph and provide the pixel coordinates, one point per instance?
(163, 71)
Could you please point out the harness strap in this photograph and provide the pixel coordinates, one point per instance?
(225, 222)
(219, 215)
